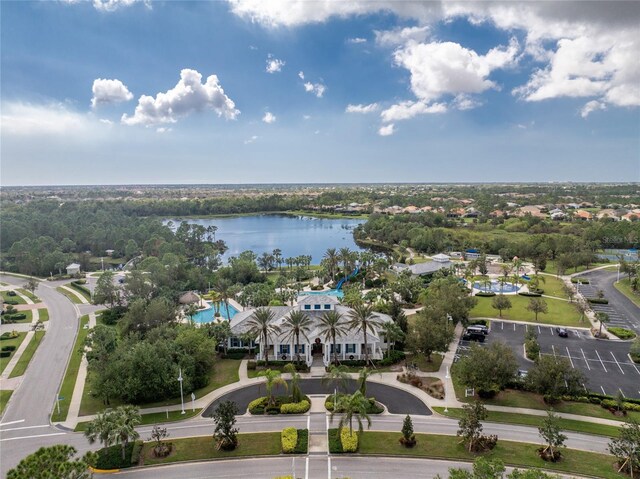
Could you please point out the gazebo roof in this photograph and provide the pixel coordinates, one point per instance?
(189, 297)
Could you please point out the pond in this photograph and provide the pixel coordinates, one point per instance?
(293, 235)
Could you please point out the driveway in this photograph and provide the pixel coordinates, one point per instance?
(396, 400)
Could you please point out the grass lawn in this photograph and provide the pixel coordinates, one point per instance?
(81, 292)
(224, 371)
(10, 342)
(72, 297)
(23, 362)
(425, 366)
(551, 268)
(29, 295)
(552, 286)
(43, 314)
(4, 399)
(153, 418)
(561, 313)
(70, 376)
(16, 298)
(204, 448)
(511, 453)
(28, 316)
(625, 288)
(529, 420)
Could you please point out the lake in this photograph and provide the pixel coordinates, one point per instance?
(294, 235)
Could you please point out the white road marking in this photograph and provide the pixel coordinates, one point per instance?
(514, 326)
(24, 427)
(31, 437)
(585, 360)
(622, 393)
(309, 423)
(553, 349)
(306, 468)
(569, 355)
(502, 324)
(11, 422)
(603, 391)
(551, 329)
(605, 369)
(634, 367)
(328, 467)
(614, 358)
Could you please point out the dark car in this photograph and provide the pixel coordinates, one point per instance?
(474, 333)
(483, 328)
(562, 332)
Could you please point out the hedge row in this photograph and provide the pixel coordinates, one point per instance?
(348, 440)
(485, 294)
(78, 286)
(111, 457)
(289, 439)
(295, 407)
(534, 294)
(579, 280)
(622, 333)
(598, 300)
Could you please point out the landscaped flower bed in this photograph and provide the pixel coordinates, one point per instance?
(281, 405)
(373, 408)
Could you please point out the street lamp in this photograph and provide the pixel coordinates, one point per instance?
(618, 280)
(181, 396)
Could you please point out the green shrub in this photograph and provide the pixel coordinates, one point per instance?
(335, 446)
(11, 293)
(135, 452)
(485, 294)
(289, 439)
(257, 406)
(251, 365)
(530, 294)
(78, 286)
(8, 348)
(622, 333)
(303, 441)
(14, 317)
(532, 348)
(579, 280)
(11, 302)
(479, 322)
(598, 300)
(295, 407)
(349, 440)
(5, 354)
(392, 358)
(111, 457)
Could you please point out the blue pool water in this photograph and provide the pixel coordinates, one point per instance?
(332, 292)
(206, 315)
(496, 287)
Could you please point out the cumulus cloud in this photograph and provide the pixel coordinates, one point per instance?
(356, 40)
(26, 119)
(269, 118)
(109, 91)
(387, 130)
(163, 129)
(590, 107)
(250, 140)
(408, 109)
(274, 65)
(400, 36)
(362, 108)
(316, 88)
(188, 96)
(301, 75)
(106, 121)
(109, 6)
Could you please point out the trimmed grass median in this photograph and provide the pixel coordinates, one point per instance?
(70, 376)
(625, 288)
(561, 313)
(530, 420)
(43, 314)
(15, 342)
(12, 299)
(23, 362)
(511, 453)
(153, 418)
(204, 448)
(70, 296)
(5, 395)
(29, 295)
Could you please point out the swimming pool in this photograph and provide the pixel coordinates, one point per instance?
(207, 315)
(331, 292)
(496, 287)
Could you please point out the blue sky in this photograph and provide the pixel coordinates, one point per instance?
(392, 91)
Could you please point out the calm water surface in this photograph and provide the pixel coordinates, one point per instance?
(294, 235)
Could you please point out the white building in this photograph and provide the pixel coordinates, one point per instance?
(315, 346)
(73, 268)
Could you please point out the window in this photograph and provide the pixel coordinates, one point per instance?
(316, 306)
(307, 306)
(301, 348)
(235, 343)
(285, 348)
(338, 348)
(351, 348)
(327, 306)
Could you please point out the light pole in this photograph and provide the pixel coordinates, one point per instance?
(618, 280)
(181, 395)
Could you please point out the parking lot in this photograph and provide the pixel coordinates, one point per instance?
(605, 364)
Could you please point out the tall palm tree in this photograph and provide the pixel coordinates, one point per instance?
(352, 406)
(392, 333)
(102, 428)
(345, 257)
(297, 323)
(331, 259)
(272, 378)
(361, 317)
(224, 289)
(338, 376)
(296, 393)
(331, 327)
(260, 327)
(277, 257)
(126, 418)
(362, 379)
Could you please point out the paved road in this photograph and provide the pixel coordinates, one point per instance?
(396, 400)
(621, 310)
(604, 363)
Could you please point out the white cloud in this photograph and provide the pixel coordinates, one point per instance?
(274, 65)
(590, 107)
(356, 40)
(387, 130)
(269, 118)
(400, 36)
(109, 91)
(408, 109)
(106, 121)
(306, 117)
(250, 140)
(52, 119)
(188, 96)
(362, 108)
(465, 102)
(163, 129)
(301, 75)
(316, 88)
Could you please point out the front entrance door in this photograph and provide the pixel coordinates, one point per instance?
(317, 347)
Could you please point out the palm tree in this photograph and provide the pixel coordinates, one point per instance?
(352, 406)
(338, 375)
(392, 333)
(602, 318)
(225, 290)
(346, 258)
(272, 378)
(102, 428)
(331, 327)
(362, 379)
(277, 257)
(362, 318)
(260, 327)
(296, 393)
(126, 418)
(297, 323)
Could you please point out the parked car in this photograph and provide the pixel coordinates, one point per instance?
(522, 373)
(474, 333)
(562, 332)
(483, 328)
